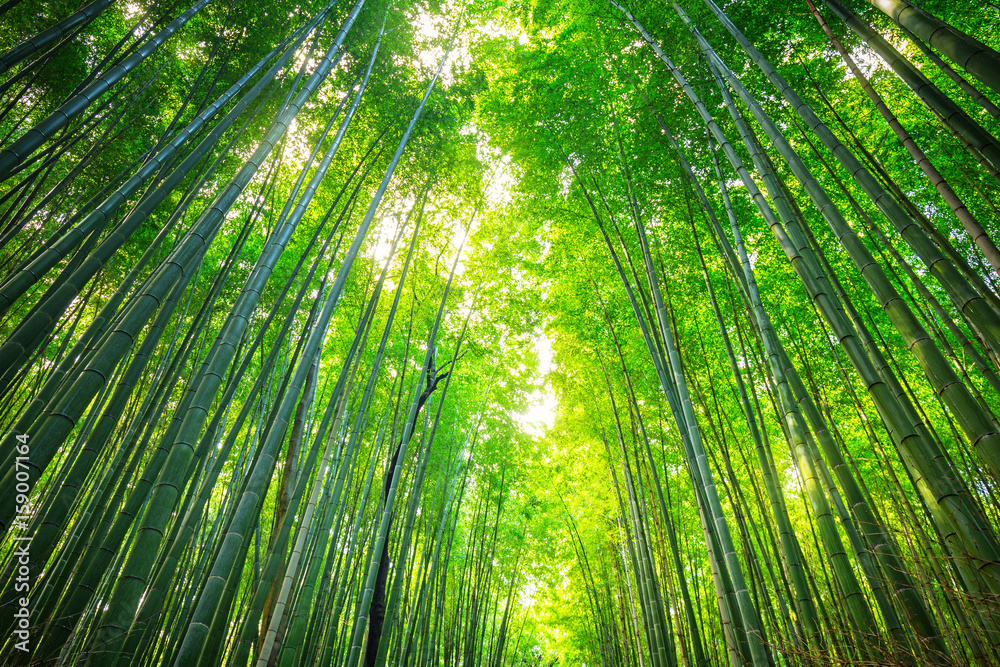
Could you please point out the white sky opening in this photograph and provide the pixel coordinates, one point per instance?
(528, 590)
(540, 414)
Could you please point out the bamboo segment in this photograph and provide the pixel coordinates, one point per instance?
(976, 58)
(639, 397)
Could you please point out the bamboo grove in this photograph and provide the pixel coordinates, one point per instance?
(562, 332)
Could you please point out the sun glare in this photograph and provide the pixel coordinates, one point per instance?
(540, 414)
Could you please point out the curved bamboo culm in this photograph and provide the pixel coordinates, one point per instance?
(359, 628)
(731, 615)
(795, 402)
(16, 153)
(735, 645)
(969, 53)
(789, 542)
(980, 429)
(51, 432)
(976, 232)
(31, 46)
(57, 249)
(154, 596)
(931, 95)
(681, 405)
(931, 467)
(700, 107)
(181, 452)
(242, 451)
(959, 80)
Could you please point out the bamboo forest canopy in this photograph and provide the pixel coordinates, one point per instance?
(554, 332)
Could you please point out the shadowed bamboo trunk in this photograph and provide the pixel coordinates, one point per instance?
(972, 55)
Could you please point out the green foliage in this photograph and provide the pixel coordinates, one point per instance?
(547, 112)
